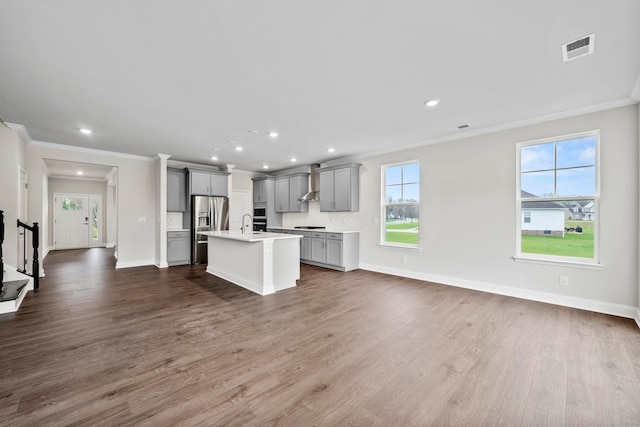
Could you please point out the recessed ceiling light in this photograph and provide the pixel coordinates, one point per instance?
(293, 159)
(79, 173)
(273, 134)
(331, 150)
(238, 148)
(214, 157)
(86, 131)
(265, 166)
(432, 102)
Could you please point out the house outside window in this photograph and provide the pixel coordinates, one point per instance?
(401, 204)
(558, 198)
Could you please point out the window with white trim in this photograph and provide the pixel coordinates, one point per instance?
(401, 204)
(558, 198)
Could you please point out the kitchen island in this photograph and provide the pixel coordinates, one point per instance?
(259, 261)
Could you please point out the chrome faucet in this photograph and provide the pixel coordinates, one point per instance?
(250, 219)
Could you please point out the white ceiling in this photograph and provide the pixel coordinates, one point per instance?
(184, 78)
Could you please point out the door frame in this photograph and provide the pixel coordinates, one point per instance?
(90, 243)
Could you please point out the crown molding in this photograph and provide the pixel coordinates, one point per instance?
(625, 102)
(22, 131)
(89, 151)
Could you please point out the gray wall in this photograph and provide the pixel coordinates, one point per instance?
(468, 215)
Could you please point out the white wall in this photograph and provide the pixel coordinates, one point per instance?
(136, 203)
(468, 214)
(12, 150)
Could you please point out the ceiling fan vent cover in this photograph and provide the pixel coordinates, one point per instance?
(577, 48)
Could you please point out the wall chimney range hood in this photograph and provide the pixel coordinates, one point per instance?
(314, 184)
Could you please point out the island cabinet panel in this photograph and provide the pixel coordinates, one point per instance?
(208, 183)
(176, 190)
(339, 188)
(178, 247)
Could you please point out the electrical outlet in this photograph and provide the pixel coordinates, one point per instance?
(564, 280)
(404, 259)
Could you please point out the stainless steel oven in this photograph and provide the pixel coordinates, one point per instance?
(260, 225)
(259, 212)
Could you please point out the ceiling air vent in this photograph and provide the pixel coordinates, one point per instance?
(577, 48)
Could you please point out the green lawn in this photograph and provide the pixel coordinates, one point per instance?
(400, 236)
(573, 245)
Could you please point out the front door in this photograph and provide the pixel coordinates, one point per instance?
(71, 221)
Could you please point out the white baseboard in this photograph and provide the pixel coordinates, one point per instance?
(161, 264)
(136, 263)
(621, 310)
(46, 251)
(110, 245)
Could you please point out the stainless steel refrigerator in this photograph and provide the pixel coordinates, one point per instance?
(207, 214)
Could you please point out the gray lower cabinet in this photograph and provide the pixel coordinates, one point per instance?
(339, 251)
(335, 250)
(318, 248)
(178, 247)
(305, 245)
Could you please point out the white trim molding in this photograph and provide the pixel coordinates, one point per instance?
(630, 312)
(135, 263)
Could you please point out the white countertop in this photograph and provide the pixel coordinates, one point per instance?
(322, 230)
(256, 236)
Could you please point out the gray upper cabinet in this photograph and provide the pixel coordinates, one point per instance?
(282, 194)
(340, 188)
(208, 183)
(260, 191)
(176, 190)
(288, 190)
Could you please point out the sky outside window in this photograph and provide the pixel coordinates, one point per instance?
(564, 168)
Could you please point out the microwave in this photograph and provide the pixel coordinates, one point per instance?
(259, 212)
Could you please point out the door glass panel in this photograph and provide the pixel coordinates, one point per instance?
(72, 204)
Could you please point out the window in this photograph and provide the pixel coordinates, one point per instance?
(401, 204)
(558, 198)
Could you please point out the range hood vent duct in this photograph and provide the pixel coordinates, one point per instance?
(314, 184)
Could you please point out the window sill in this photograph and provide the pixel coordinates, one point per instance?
(400, 246)
(559, 263)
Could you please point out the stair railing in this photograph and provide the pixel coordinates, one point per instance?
(1, 242)
(35, 243)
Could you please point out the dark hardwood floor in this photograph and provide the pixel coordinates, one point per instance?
(166, 347)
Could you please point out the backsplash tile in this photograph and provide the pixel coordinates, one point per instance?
(339, 221)
(174, 220)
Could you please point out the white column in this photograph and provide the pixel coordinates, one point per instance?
(161, 210)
